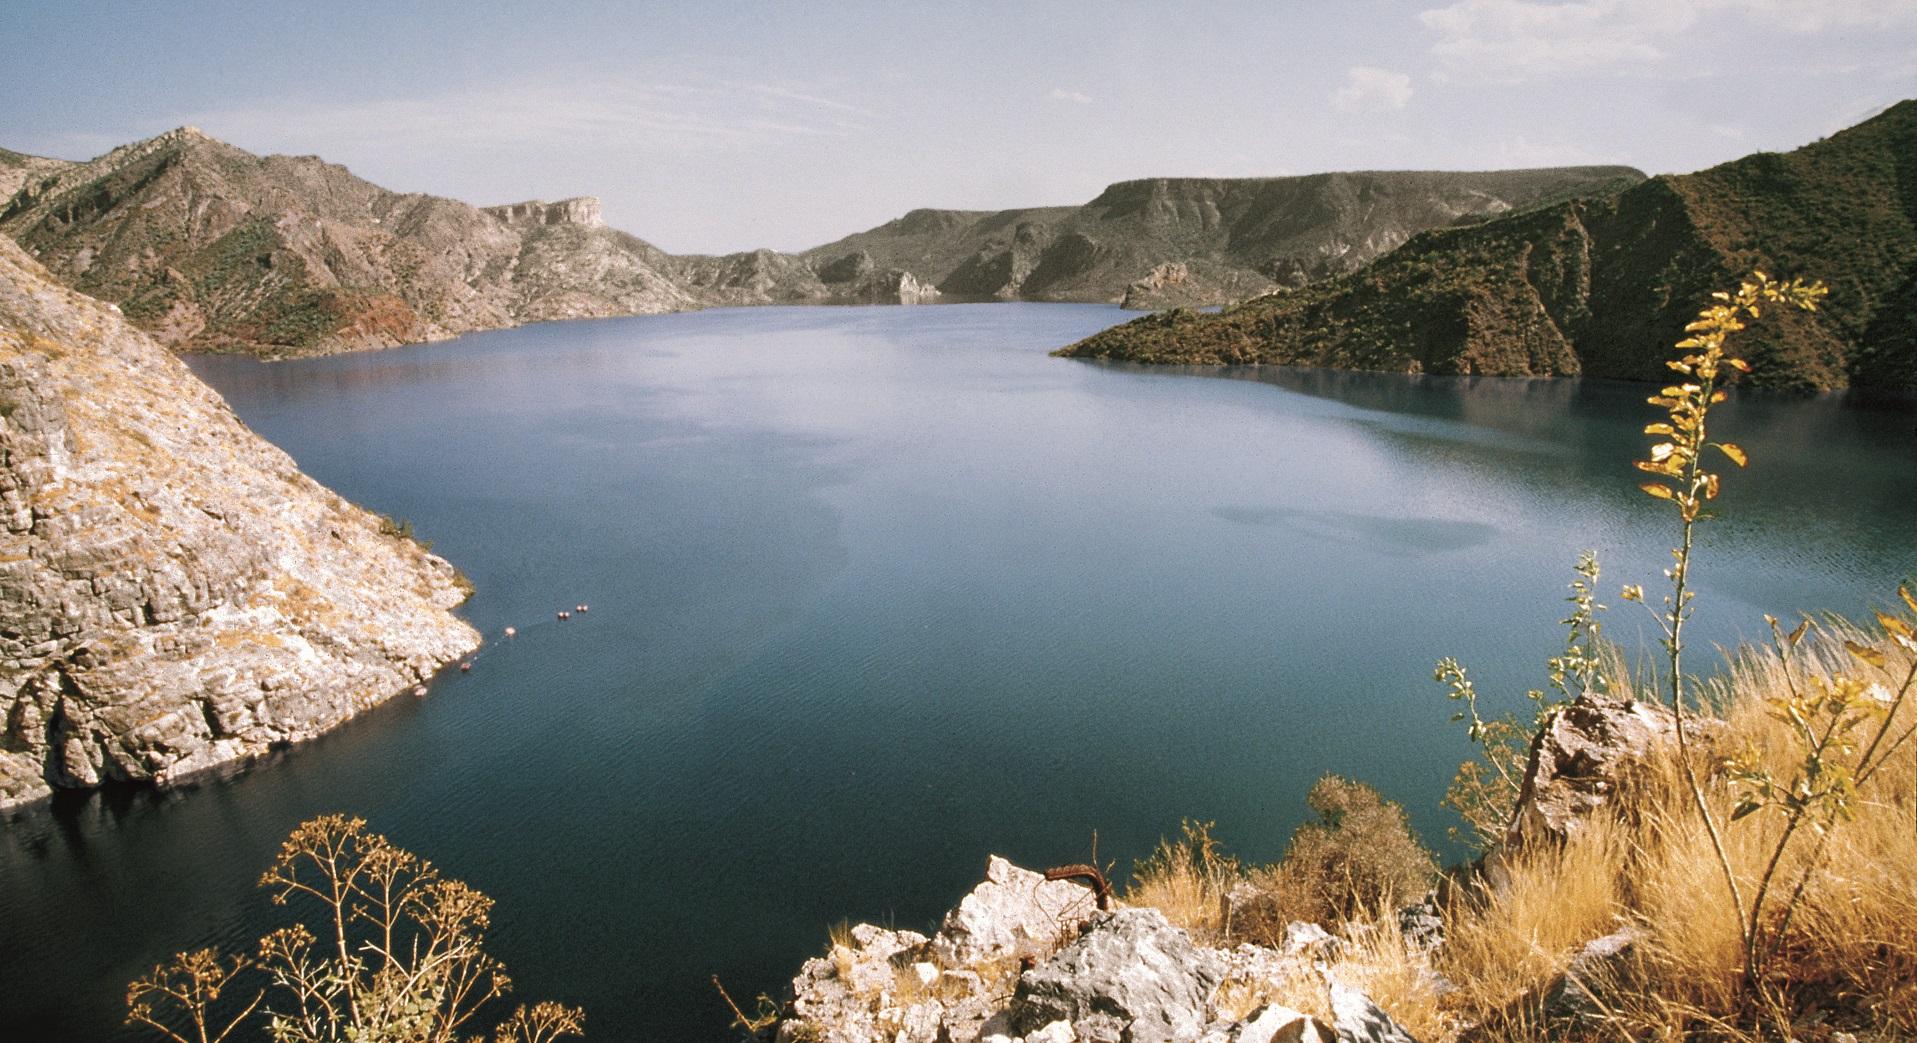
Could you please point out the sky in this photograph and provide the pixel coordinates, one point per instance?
(713, 127)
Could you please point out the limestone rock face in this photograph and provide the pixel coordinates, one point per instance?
(1191, 285)
(1582, 755)
(1358, 1020)
(1602, 965)
(893, 286)
(174, 594)
(1131, 977)
(580, 210)
(1026, 960)
(1014, 913)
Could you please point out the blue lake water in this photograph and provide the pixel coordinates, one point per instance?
(876, 592)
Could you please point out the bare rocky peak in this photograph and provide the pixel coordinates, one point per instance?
(174, 594)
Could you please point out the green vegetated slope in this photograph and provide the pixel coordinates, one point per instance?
(1235, 236)
(1603, 287)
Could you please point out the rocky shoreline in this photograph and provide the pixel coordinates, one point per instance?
(175, 595)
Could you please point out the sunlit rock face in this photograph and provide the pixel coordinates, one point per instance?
(174, 594)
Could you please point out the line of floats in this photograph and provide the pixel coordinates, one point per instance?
(466, 665)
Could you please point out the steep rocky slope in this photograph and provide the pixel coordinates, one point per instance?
(1603, 286)
(1233, 236)
(17, 168)
(213, 248)
(174, 593)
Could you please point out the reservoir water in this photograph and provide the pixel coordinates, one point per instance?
(878, 592)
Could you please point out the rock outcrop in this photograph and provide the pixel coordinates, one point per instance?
(174, 594)
(1584, 754)
(1603, 286)
(1131, 977)
(581, 210)
(1015, 913)
(1023, 959)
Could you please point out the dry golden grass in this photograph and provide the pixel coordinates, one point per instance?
(1847, 958)
(1501, 941)
(1187, 879)
(1377, 960)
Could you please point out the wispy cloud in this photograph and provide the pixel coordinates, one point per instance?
(1370, 89)
(790, 94)
(608, 112)
(1523, 152)
(1821, 15)
(1518, 40)
(1075, 97)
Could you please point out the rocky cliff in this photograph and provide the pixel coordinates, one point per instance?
(580, 210)
(174, 594)
(1603, 286)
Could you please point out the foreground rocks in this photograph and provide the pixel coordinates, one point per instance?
(174, 594)
(1023, 959)
(1582, 756)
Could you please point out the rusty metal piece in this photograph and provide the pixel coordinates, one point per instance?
(1088, 873)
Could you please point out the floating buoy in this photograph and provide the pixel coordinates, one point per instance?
(466, 668)
(510, 631)
(565, 615)
(585, 608)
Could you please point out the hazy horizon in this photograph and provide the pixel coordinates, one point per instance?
(775, 126)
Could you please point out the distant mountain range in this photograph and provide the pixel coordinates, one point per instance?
(211, 248)
(1603, 286)
(1230, 236)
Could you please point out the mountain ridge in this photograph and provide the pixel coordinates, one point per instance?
(1602, 286)
(212, 248)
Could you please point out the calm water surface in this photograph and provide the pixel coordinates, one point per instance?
(876, 592)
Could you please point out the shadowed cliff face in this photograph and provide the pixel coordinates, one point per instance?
(174, 594)
(1602, 287)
